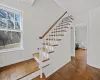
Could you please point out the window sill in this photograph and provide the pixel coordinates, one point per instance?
(11, 50)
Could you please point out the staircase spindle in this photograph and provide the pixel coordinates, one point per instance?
(48, 47)
(56, 35)
(60, 32)
(45, 48)
(51, 41)
(41, 57)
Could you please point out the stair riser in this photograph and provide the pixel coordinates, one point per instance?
(57, 37)
(50, 45)
(46, 52)
(62, 28)
(51, 42)
(31, 76)
(66, 21)
(59, 31)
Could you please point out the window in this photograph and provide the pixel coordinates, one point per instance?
(11, 29)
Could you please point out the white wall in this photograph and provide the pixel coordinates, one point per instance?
(94, 38)
(37, 19)
(92, 20)
(81, 36)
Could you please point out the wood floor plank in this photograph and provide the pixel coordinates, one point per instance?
(18, 70)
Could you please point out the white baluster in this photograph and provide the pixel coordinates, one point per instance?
(56, 35)
(41, 58)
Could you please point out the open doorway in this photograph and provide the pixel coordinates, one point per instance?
(81, 42)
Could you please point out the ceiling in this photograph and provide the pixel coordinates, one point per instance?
(26, 2)
(76, 7)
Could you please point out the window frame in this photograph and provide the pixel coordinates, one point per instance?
(15, 11)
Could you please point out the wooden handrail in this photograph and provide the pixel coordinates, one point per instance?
(51, 27)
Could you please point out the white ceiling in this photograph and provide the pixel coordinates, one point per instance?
(76, 7)
(30, 2)
(24, 2)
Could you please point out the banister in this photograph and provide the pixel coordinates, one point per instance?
(51, 27)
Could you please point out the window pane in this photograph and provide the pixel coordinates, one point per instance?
(3, 36)
(17, 18)
(2, 13)
(9, 39)
(3, 23)
(10, 24)
(17, 25)
(10, 16)
(14, 37)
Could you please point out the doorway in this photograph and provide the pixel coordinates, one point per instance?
(81, 42)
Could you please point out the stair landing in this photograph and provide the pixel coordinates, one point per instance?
(19, 70)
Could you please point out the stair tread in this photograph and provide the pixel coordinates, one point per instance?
(49, 44)
(63, 24)
(37, 56)
(66, 21)
(60, 28)
(19, 70)
(55, 39)
(45, 50)
(59, 31)
(57, 35)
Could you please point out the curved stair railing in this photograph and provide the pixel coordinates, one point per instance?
(51, 38)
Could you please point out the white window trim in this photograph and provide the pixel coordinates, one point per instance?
(8, 8)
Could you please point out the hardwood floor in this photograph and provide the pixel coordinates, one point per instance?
(19, 70)
(76, 69)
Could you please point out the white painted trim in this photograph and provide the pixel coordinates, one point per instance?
(12, 9)
(13, 49)
(8, 8)
(10, 30)
(74, 42)
(31, 76)
(43, 63)
(89, 25)
(37, 60)
(73, 32)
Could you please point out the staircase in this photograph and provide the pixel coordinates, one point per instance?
(50, 39)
